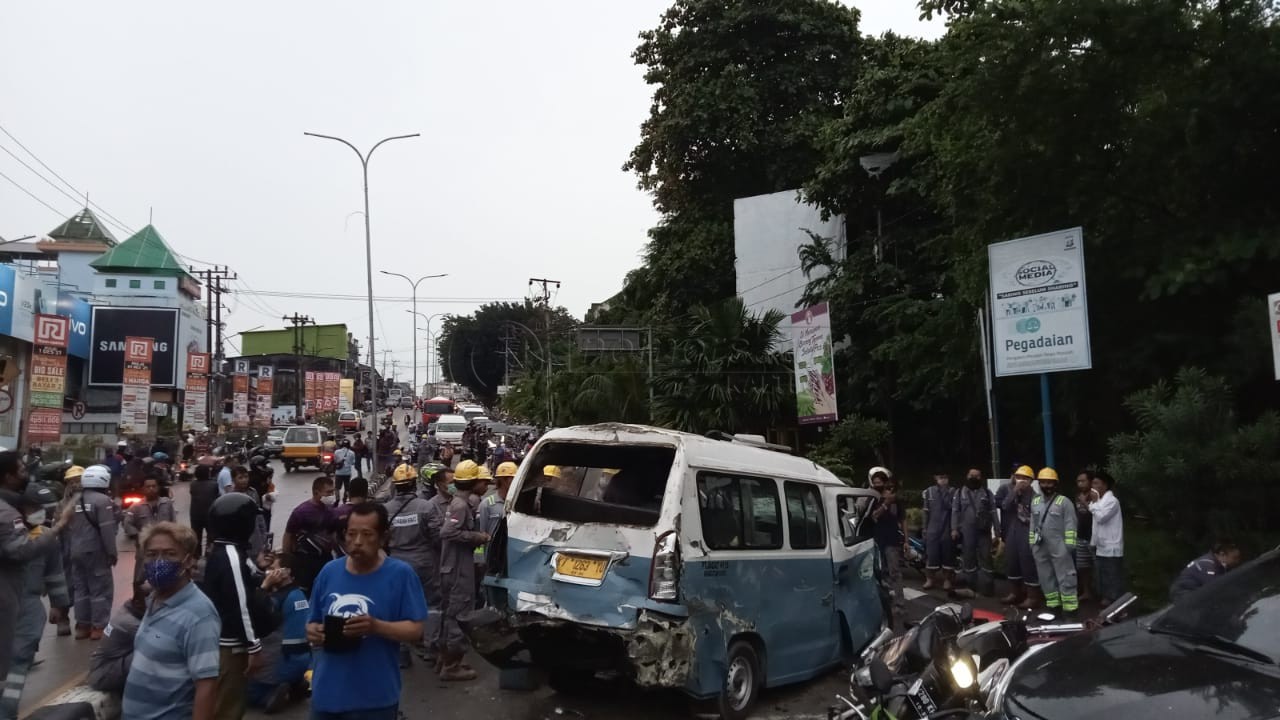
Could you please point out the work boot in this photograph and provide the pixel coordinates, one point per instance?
(82, 631)
(457, 672)
(64, 628)
(929, 577)
(1034, 599)
(948, 579)
(1016, 595)
(95, 633)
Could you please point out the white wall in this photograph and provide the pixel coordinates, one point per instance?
(768, 231)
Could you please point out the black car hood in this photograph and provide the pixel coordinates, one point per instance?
(1128, 672)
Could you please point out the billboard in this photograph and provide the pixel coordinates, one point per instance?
(1039, 315)
(112, 325)
(1273, 304)
(346, 394)
(768, 232)
(814, 364)
(196, 399)
(266, 383)
(240, 394)
(48, 377)
(81, 314)
(22, 297)
(135, 388)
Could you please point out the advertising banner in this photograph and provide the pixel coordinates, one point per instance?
(346, 394)
(313, 392)
(1273, 305)
(81, 315)
(196, 401)
(135, 390)
(240, 394)
(266, 388)
(331, 391)
(814, 363)
(112, 325)
(1039, 317)
(48, 377)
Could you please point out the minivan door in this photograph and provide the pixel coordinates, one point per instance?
(853, 558)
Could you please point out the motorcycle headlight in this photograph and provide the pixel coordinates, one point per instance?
(962, 673)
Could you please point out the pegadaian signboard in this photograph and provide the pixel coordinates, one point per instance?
(814, 365)
(1039, 313)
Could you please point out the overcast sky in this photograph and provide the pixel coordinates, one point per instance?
(527, 112)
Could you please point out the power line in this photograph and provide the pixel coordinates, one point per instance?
(52, 184)
(33, 196)
(64, 182)
(365, 298)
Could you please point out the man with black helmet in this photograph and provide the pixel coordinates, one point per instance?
(238, 591)
(44, 576)
(408, 540)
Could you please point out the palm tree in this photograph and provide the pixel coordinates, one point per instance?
(729, 372)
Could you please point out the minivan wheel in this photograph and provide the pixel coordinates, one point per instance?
(741, 683)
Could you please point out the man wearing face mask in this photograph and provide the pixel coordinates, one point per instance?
(43, 577)
(1053, 543)
(309, 534)
(972, 512)
(174, 669)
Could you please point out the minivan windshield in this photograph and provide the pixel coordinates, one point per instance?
(450, 427)
(621, 484)
(1242, 607)
(303, 436)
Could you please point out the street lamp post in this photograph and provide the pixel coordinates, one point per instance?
(429, 339)
(414, 284)
(368, 253)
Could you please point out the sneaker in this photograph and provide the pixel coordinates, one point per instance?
(64, 628)
(277, 700)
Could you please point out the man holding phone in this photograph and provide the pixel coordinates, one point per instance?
(362, 607)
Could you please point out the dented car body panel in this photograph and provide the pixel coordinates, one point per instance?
(607, 566)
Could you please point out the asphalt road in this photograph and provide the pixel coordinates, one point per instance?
(64, 662)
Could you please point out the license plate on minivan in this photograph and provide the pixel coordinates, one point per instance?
(581, 568)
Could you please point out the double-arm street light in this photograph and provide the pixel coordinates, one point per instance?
(414, 284)
(368, 255)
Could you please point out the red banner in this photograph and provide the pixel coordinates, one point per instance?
(48, 377)
(196, 400)
(266, 388)
(313, 392)
(135, 393)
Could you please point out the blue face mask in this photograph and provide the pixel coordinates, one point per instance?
(452, 488)
(163, 574)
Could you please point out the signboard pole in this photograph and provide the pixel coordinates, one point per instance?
(1046, 414)
(1273, 306)
(992, 428)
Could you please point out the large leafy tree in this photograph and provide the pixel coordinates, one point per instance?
(741, 89)
(479, 350)
(726, 372)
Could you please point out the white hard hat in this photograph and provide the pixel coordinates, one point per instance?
(879, 470)
(96, 477)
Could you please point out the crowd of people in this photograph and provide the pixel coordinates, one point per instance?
(1059, 549)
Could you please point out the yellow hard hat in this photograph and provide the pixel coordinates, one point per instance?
(1025, 471)
(72, 472)
(1048, 474)
(405, 473)
(506, 469)
(551, 471)
(610, 471)
(482, 473)
(466, 470)
(397, 452)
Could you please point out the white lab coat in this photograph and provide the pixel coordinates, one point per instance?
(1108, 527)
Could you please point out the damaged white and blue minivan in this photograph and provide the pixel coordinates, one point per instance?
(712, 566)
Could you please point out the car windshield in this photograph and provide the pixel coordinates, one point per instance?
(347, 416)
(450, 427)
(303, 435)
(1242, 607)
(622, 484)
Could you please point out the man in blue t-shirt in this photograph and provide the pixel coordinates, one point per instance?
(379, 603)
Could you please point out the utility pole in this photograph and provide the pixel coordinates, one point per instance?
(299, 321)
(213, 278)
(546, 321)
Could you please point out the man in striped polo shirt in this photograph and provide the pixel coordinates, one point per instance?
(174, 673)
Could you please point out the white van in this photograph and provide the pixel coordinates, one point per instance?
(713, 566)
(448, 429)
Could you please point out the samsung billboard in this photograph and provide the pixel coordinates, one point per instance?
(110, 327)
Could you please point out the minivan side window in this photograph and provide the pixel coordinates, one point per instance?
(739, 513)
(804, 516)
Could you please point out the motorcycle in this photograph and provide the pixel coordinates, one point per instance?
(940, 668)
